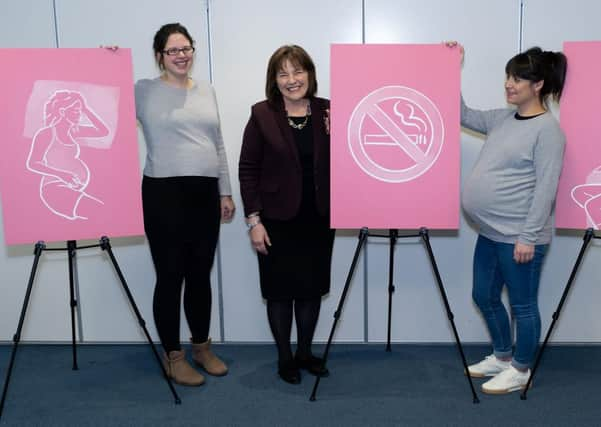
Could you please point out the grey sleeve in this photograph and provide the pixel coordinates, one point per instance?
(138, 94)
(548, 160)
(480, 120)
(225, 188)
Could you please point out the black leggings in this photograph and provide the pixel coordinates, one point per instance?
(181, 219)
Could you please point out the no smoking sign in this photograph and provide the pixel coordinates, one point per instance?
(395, 134)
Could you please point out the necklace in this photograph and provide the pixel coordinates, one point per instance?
(301, 125)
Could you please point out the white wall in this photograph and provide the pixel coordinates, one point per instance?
(234, 51)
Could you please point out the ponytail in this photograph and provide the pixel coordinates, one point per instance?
(557, 66)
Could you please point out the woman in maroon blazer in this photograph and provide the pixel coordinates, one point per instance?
(284, 174)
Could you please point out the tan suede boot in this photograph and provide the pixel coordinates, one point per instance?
(179, 369)
(204, 357)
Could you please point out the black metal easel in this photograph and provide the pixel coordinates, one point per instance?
(71, 253)
(393, 236)
(588, 236)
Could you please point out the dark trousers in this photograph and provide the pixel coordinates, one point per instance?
(181, 220)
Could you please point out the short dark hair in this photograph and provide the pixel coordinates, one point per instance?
(162, 35)
(536, 65)
(297, 57)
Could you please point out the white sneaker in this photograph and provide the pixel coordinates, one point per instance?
(489, 367)
(507, 381)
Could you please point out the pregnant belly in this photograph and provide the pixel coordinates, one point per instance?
(74, 166)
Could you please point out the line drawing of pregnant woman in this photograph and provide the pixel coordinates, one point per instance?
(588, 197)
(55, 154)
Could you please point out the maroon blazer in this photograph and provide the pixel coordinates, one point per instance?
(270, 170)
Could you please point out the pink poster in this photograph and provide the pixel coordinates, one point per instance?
(395, 136)
(69, 165)
(579, 192)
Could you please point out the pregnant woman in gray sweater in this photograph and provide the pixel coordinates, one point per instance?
(510, 195)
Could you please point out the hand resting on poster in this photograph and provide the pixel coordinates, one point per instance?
(455, 44)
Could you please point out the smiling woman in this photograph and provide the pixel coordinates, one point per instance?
(510, 195)
(292, 83)
(176, 59)
(284, 180)
(185, 193)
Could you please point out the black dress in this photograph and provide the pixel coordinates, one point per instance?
(297, 265)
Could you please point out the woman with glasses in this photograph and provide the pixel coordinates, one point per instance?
(284, 180)
(186, 193)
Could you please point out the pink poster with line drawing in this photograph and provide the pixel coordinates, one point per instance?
(69, 165)
(579, 192)
(395, 154)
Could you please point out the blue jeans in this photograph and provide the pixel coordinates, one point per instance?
(494, 267)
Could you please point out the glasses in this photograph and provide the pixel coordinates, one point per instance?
(186, 50)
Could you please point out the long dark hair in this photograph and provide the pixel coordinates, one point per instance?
(535, 65)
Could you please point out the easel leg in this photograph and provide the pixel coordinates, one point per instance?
(39, 247)
(426, 239)
(588, 235)
(106, 246)
(349, 277)
(393, 234)
(71, 254)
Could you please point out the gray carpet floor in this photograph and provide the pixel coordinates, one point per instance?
(414, 385)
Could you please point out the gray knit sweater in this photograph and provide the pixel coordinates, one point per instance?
(510, 193)
(182, 131)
